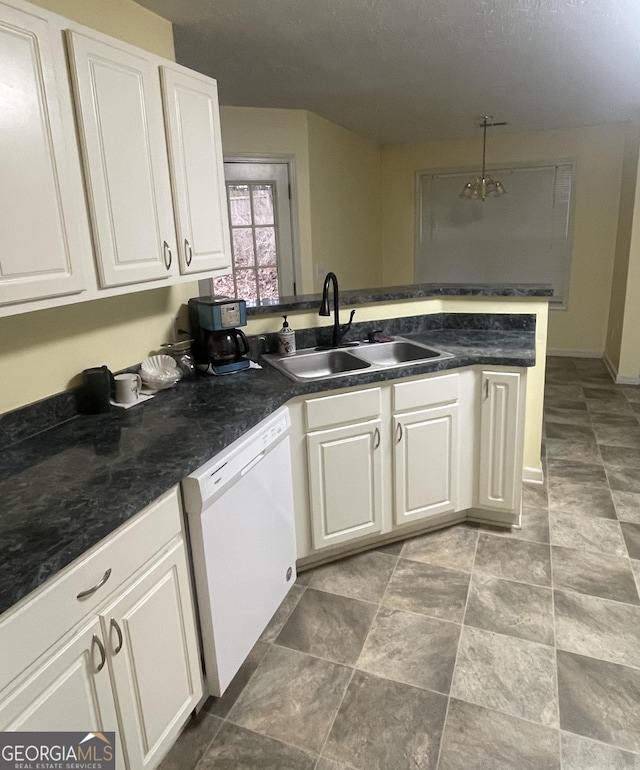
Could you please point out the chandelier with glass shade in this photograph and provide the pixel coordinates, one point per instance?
(484, 185)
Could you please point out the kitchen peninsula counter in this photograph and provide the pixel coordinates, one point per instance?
(349, 297)
(66, 488)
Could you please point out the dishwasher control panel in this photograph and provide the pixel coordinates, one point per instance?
(202, 486)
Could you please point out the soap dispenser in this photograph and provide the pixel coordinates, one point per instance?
(286, 339)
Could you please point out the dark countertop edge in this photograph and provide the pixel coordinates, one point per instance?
(397, 293)
(130, 502)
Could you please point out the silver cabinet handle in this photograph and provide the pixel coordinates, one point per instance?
(113, 624)
(486, 387)
(399, 433)
(376, 435)
(167, 250)
(95, 642)
(93, 589)
(188, 252)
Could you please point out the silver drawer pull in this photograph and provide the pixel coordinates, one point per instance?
(188, 252)
(95, 642)
(118, 630)
(167, 253)
(399, 433)
(376, 436)
(93, 589)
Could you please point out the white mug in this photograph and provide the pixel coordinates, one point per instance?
(127, 388)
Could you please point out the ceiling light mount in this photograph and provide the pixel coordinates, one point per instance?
(484, 185)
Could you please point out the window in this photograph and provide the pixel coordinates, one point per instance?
(261, 234)
(253, 243)
(521, 237)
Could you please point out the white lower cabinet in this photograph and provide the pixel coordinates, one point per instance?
(425, 461)
(501, 415)
(345, 482)
(153, 656)
(70, 691)
(131, 664)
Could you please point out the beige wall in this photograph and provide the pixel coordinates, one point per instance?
(337, 188)
(629, 363)
(623, 244)
(344, 171)
(598, 152)
(44, 351)
(123, 19)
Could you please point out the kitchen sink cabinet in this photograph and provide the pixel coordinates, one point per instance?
(425, 463)
(425, 447)
(345, 482)
(128, 661)
(399, 459)
(45, 234)
(344, 465)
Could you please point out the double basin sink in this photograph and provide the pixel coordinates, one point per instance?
(313, 364)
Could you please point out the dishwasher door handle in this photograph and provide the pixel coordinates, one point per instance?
(252, 464)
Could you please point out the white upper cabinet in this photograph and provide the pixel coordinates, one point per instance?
(119, 107)
(197, 172)
(45, 235)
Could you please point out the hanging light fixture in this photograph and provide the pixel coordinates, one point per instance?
(484, 185)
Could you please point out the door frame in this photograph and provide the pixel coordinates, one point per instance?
(290, 161)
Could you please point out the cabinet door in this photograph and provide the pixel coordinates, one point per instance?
(197, 171)
(345, 482)
(153, 653)
(70, 692)
(425, 457)
(124, 150)
(500, 452)
(43, 221)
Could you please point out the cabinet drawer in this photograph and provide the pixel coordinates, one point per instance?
(442, 389)
(29, 630)
(343, 408)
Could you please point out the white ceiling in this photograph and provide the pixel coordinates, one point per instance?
(414, 70)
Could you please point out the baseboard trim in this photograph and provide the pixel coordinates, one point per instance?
(575, 353)
(532, 475)
(619, 379)
(623, 379)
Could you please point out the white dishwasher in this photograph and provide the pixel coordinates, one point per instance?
(239, 509)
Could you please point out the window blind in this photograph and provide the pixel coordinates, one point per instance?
(521, 237)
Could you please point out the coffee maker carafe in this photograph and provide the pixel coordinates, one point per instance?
(218, 346)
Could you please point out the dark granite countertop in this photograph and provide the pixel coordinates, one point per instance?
(408, 291)
(69, 486)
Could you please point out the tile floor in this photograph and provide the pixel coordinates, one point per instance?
(467, 648)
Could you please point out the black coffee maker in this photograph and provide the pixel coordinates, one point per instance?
(219, 347)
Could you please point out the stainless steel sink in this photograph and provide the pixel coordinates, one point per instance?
(395, 353)
(317, 365)
(314, 364)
